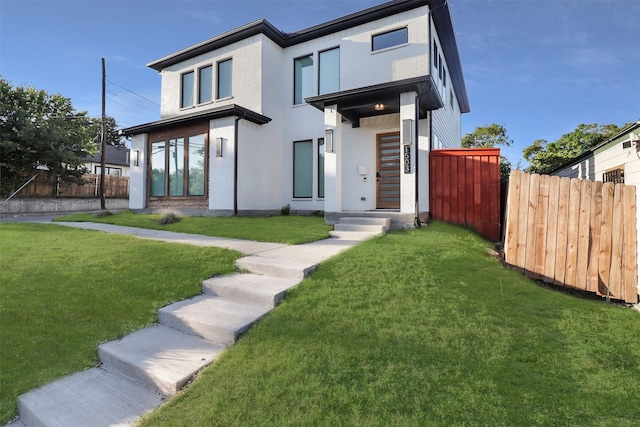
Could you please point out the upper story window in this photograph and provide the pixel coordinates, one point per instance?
(205, 84)
(186, 96)
(329, 71)
(435, 55)
(302, 78)
(224, 86)
(389, 39)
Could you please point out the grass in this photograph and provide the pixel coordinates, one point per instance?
(63, 291)
(291, 230)
(423, 328)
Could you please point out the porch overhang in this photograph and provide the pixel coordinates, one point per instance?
(187, 119)
(354, 104)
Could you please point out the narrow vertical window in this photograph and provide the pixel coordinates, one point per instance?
(205, 84)
(321, 167)
(176, 167)
(444, 76)
(440, 67)
(224, 79)
(329, 71)
(157, 168)
(303, 79)
(196, 166)
(435, 55)
(303, 169)
(186, 99)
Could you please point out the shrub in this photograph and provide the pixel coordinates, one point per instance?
(285, 210)
(169, 218)
(102, 214)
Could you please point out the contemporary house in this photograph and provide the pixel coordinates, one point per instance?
(340, 117)
(615, 160)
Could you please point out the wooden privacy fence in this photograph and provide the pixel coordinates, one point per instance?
(574, 232)
(47, 185)
(464, 188)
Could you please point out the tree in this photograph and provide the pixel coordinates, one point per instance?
(40, 130)
(544, 156)
(113, 136)
(489, 136)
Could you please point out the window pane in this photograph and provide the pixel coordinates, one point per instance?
(303, 79)
(187, 90)
(157, 168)
(321, 167)
(176, 167)
(390, 39)
(196, 165)
(303, 169)
(205, 84)
(329, 71)
(224, 79)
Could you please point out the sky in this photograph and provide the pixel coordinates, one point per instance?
(538, 67)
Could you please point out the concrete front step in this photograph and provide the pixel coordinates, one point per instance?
(355, 236)
(275, 267)
(385, 222)
(250, 288)
(158, 357)
(93, 397)
(215, 319)
(374, 229)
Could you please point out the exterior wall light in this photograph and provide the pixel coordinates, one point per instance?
(136, 158)
(219, 147)
(378, 107)
(407, 132)
(328, 140)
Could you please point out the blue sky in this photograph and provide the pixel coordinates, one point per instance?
(539, 67)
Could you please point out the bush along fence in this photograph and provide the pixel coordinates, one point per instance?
(574, 232)
(47, 185)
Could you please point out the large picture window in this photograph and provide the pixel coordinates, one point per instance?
(178, 166)
(303, 169)
(186, 98)
(329, 71)
(303, 79)
(224, 88)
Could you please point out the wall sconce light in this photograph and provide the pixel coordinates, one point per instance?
(378, 107)
(328, 140)
(407, 132)
(219, 147)
(136, 158)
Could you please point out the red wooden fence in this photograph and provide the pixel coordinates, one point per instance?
(464, 188)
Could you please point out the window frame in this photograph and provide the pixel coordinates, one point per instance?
(320, 165)
(182, 88)
(295, 101)
(320, 91)
(386, 33)
(200, 100)
(219, 81)
(615, 175)
(310, 163)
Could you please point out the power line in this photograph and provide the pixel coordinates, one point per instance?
(136, 94)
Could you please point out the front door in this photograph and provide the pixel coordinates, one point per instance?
(388, 171)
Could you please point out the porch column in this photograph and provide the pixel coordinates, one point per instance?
(138, 174)
(333, 161)
(408, 152)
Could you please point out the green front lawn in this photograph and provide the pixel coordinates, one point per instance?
(289, 229)
(423, 328)
(63, 291)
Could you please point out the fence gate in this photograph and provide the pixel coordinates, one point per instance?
(464, 188)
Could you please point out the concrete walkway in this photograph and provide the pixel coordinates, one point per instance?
(138, 372)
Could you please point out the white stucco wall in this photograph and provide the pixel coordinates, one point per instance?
(138, 174)
(221, 169)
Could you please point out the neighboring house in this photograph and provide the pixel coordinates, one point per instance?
(339, 117)
(615, 160)
(116, 161)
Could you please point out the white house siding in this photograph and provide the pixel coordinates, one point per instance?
(221, 169)
(246, 79)
(138, 174)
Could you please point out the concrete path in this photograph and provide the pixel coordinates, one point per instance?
(141, 370)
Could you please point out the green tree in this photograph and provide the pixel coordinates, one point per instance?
(544, 156)
(112, 132)
(489, 136)
(39, 129)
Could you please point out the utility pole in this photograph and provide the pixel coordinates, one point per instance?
(103, 140)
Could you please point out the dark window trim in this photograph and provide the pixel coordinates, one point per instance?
(199, 83)
(293, 181)
(182, 89)
(373, 36)
(320, 140)
(217, 78)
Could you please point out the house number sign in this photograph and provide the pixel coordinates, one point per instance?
(407, 159)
